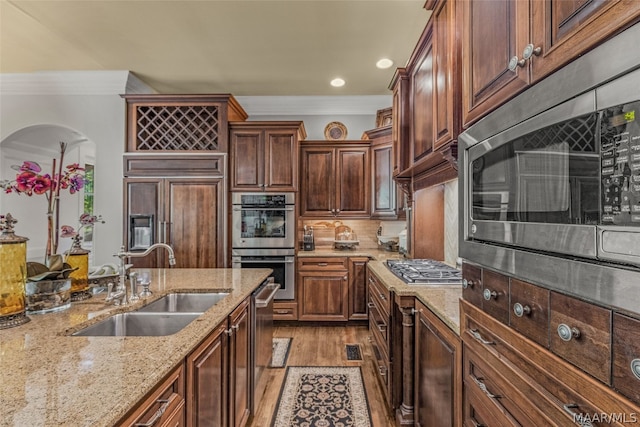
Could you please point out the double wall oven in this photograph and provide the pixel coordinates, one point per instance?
(263, 227)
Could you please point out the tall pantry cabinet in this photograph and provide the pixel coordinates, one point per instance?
(174, 177)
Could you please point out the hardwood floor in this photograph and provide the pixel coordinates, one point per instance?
(324, 346)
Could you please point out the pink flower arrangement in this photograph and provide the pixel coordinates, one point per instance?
(86, 221)
(30, 180)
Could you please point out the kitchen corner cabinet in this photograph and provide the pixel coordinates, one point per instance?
(358, 288)
(264, 155)
(438, 371)
(527, 41)
(218, 374)
(335, 179)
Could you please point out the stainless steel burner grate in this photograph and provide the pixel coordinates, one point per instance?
(425, 272)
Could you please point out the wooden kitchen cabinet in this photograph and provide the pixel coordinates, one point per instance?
(358, 288)
(165, 406)
(186, 213)
(322, 293)
(335, 179)
(438, 371)
(527, 41)
(264, 155)
(218, 374)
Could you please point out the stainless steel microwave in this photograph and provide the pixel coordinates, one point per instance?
(550, 182)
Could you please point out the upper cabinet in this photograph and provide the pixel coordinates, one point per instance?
(180, 123)
(526, 41)
(335, 179)
(426, 98)
(264, 155)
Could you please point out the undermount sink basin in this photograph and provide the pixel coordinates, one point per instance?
(139, 324)
(184, 303)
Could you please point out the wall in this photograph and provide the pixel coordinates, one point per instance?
(314, 125)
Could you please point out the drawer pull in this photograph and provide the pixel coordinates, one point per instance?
(635, 368)
(468, 283)
(370, 305)
(323, 264)
(281, 311)
(488, 294)
(521, 310)
(577, 417)
(482, 386)
(382, 297)
(381, 327)
(157, 415)
(477, 336)
(567, 333)
(382, 370)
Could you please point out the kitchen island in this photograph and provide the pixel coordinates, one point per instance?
(50, 378)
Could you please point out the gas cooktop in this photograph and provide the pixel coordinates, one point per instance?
(425, 272)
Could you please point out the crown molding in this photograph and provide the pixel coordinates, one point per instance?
(72, 83)
(314, 105)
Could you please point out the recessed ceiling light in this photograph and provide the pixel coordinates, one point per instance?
(338, 82)
(384, 63)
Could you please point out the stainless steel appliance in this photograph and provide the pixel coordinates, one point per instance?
(263, 220)
(425, 272)
(550, 182)
(263, 336)
(281, 261)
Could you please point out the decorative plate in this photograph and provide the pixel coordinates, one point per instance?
(335, 131)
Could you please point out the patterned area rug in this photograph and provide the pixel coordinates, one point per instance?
(322, 396)
(281, 348)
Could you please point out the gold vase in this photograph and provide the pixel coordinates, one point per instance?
(78, 258)
(13, 272)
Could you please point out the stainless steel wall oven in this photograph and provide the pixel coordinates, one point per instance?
(281, 261)
(550, 182)
(263, 220)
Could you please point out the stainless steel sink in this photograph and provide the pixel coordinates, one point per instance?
(184, 303)
(139, 324)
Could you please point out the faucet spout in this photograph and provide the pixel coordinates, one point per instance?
(122, 254)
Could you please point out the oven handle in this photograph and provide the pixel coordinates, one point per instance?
(262, 303)
(258, 261)
(284, 208)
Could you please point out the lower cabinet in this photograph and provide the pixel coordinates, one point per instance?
(438, 378)
(218, 374)
(165, 406)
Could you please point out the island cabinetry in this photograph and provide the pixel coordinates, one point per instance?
(335, 179)
(264, 155)
(165, 406)
(218, 374)
(626, 356)
(380, 328)
(521, 383)
(358, 288)
(438, 371)
(322, 289)
(527, 41)
(180, 123)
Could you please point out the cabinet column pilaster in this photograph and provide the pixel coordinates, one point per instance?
(405, 412)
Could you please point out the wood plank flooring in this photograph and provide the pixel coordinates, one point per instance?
(324, 346)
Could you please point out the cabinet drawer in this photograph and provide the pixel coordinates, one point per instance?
(285, 310)
(383, 369)
(472, 284)
(476, 413)
(581, 334)
(626, 356)
(529, 311)
(378, 324)
(495, 295)
(380, 293)
(324, 263)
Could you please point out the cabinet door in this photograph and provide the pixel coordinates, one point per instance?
(486, 51)
(239, 366)
(322, 295)
(438, 380)
(358, 289)
(352, 182)
(318, 182)
(193, 213)
(564, 30)
(384, 200)
(422, 101)
(281, 160)
(143, 196)
(207, 371)
(400, 132)
(247, 159)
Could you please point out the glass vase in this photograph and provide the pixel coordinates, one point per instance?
(78, 258)
(13, 271)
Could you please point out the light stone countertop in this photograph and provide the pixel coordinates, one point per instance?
(443, 300)
(48, 378)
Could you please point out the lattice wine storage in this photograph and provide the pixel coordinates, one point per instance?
(194, 123)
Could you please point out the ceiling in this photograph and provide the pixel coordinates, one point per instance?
(247, 48)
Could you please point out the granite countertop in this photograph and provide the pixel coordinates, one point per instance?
(442, 300)
(52, 379)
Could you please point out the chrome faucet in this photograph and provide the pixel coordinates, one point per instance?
(119, 296)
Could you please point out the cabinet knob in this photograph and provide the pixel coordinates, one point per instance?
(521, 310)
(488, 294)
(514, 63)
(635, 368)
(530, 50)
(468, 283)
(567, 333)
